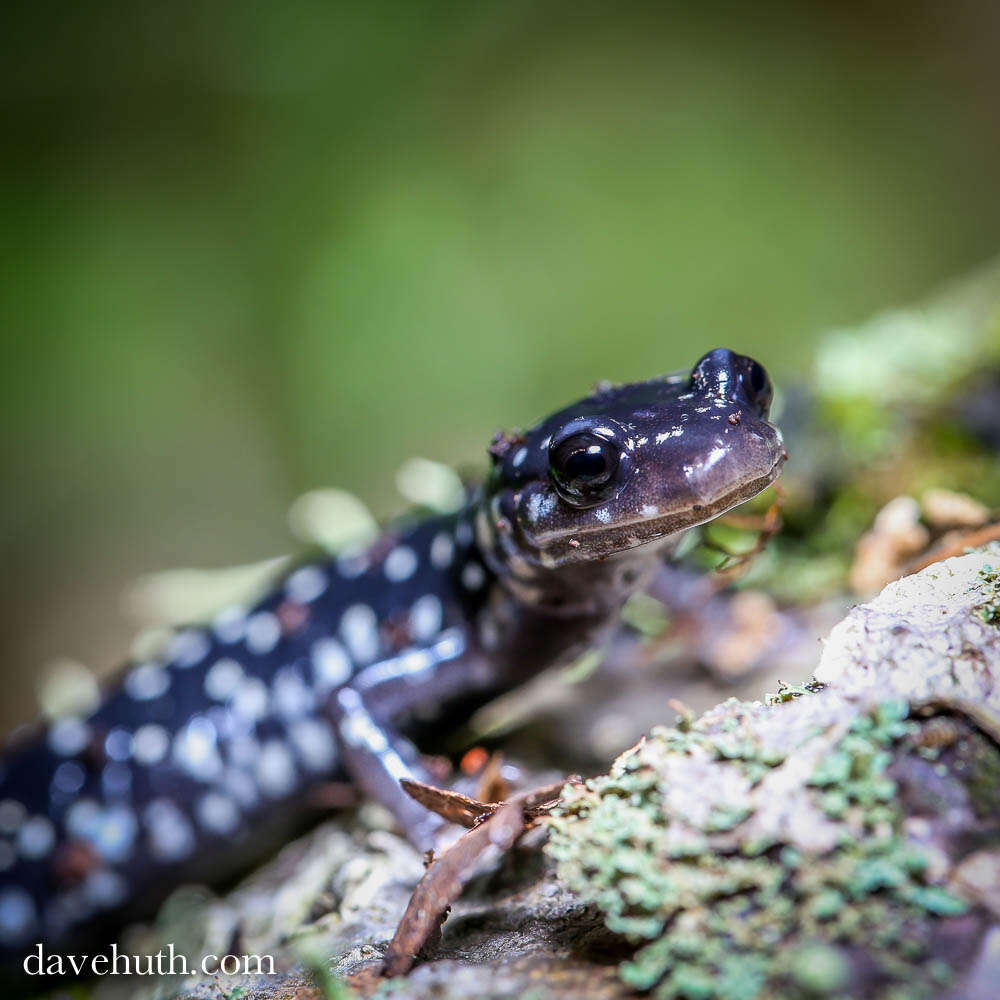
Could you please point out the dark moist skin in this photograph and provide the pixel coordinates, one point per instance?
(195, 761)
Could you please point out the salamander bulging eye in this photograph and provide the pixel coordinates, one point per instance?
(583, 468)
(757, 386)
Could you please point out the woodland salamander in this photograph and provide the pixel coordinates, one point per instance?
(194, 757)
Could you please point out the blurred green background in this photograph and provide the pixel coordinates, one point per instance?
(255, 248)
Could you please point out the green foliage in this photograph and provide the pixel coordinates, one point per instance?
(646, 615)
(304, 241)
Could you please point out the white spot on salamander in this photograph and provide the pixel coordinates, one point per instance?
(195, 749)
(442, 550)
(314, 743)
(275, 769)
(473, 576)
(263, 633)
(146, 682)
(306, 584)
(68, 778)
(649, 510)
(17, 915)
(69, 736)
(230, 624)
(188, 648)
(223, 679)
(110, 831)
(534, 507)
(83, 818)
(426, 616)
(251, 700)
(149, 744)
(352, 562)
(331, 664)
(603, 515)
(171, 836)
(359, 627)
(217, 813)
(400, 564)
(118, 744)
(292, 698)
(241, 786)
(674, 432)
(541, 505)
(36, 838)
(519, 456)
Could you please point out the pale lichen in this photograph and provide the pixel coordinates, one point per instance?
(808, 845)
(764, 914)
(990, 611)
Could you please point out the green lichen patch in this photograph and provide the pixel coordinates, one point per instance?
(990, 610)
(736, 901)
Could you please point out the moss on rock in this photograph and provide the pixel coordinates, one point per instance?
(813, 844)
(765, 913)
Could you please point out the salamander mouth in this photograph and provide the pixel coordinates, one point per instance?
(697, 514)
(670, 522)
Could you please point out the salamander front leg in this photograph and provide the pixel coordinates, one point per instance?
(376, 758)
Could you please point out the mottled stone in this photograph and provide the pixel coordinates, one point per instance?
(835, 839)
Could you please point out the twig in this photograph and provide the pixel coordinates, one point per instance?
(768, 526)
(495, 829)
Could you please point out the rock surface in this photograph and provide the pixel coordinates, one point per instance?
(839, 839)
(831, 841)
(927, 635)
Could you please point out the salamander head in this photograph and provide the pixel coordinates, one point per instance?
(635, 464)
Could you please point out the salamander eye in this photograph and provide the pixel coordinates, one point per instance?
(757, 386)
(583, 468)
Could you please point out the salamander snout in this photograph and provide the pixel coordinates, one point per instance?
(724, 374)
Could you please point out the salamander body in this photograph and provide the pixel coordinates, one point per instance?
(196, 758)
